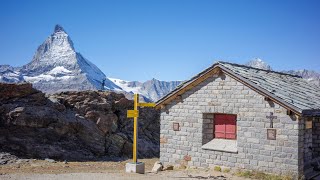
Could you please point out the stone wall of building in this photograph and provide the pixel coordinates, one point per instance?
(223, 94)
(316, 137)
(308, 146)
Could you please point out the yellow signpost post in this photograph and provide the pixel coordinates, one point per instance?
(135, 166)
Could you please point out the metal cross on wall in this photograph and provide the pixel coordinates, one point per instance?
(271, 117)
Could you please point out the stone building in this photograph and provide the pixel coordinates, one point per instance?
(241, 117)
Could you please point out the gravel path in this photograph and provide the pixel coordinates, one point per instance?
(45, 170)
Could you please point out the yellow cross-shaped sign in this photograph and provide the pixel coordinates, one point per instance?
(135, 114)
(146, 104)
(132, 113)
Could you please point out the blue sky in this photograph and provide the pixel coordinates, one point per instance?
(167, 40)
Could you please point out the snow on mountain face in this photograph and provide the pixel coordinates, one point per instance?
(57, 73)
(152, 89)
(126, 85)
(56, 66)
(9, 74)
(57, 50)
(59, 70)
(258, 63)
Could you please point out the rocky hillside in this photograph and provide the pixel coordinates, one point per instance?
(72, 125)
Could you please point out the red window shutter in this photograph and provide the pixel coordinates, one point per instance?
(225, 126)
(219, 126)
(231, 130)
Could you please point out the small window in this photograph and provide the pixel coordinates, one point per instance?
(225, 126)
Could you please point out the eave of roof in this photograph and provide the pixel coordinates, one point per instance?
(184, 85)
(215, 68)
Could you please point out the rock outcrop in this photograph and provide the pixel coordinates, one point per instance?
(72, 125)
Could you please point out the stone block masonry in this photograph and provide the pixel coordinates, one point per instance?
(316, 137)
(223, 94)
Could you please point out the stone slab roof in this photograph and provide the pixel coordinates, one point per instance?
(290, 91)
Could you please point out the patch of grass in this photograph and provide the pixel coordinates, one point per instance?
(261, 175)
(217, 168)
(182, 166)
(226, 170)
(246, 174)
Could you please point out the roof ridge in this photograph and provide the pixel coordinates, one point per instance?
(241, 65)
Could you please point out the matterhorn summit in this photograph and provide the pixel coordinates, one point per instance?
(259, 63)
(56, 50)
(56, 66)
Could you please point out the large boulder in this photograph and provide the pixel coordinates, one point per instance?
(108, 123)
(9, 91)
(33, 116)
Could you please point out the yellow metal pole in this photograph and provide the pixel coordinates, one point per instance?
(135, 128)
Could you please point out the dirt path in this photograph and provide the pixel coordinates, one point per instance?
(44, 170)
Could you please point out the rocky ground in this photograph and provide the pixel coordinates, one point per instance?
(81, 126)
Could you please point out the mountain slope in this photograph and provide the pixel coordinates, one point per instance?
(9, 74)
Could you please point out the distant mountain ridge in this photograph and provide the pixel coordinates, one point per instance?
(153, 89)
(56, 67)
(309, 75)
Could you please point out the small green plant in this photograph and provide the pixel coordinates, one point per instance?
(246, 174)
(217, 168)
(226, 170)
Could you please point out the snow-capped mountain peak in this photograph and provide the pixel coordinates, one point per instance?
(56, 66)
(56, 50)
(259, 63)
(58, 28)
